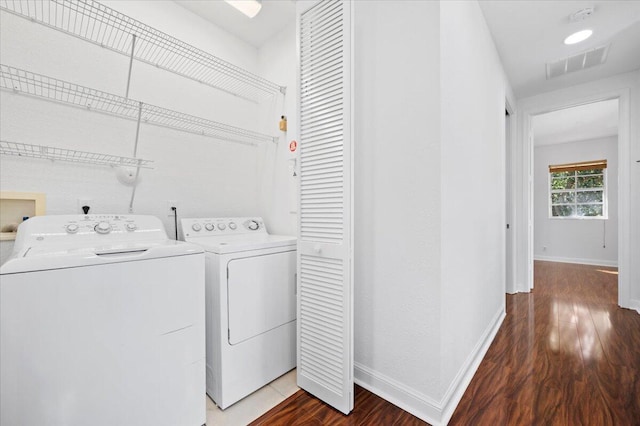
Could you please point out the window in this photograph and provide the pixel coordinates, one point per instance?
(578, 190)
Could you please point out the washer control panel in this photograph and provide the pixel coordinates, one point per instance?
(89, 229)
(101, 224)
(222, 226)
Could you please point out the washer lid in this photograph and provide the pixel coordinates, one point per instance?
(244, 242)
(34, 259)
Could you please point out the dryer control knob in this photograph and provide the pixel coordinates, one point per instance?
(222, 226)
(208, 227)
(103, 228)
(253, 225)
(232, 226)
(72, 228)
(131, 226)
(196, 227)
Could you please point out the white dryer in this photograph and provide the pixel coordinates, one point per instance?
(101, 323)
(250, 304)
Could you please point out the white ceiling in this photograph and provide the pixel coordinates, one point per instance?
(528, 34)
(273, 17)
(590, 121)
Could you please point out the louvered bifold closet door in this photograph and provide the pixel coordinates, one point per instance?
(325, 306)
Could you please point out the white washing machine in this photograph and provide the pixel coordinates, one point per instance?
(251, 304)
(101, 323)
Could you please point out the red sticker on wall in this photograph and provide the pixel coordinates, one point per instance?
(293, 145)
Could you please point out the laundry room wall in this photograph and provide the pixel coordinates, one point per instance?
(278, 185)
(206, 176)
(590, 241)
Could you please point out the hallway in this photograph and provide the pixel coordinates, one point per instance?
(565, 354)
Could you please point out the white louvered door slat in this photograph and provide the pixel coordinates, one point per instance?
(325, 304)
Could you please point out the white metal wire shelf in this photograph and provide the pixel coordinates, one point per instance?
(69, 155)
(28, 83)
(101, 25)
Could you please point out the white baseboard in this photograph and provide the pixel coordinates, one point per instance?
(461, 381)
(416, 403)
(423, 406)
(595, 262)
(634, 304)
(519, 288)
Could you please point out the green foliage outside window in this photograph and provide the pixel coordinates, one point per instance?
(578, 193)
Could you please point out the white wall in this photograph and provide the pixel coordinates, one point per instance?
(590, 241)
(429, 200)
(634, 204)
(625, 87)
(397, 196)
(208, 177)
(396, 200)
(278, 187)
(474, 89)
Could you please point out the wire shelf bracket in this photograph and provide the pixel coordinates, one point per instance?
(105, 27)
(70, 155)
(41, 86)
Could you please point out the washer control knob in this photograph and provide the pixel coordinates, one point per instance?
(103, 228)
(232, 226)
(72, 228)
(222, 226)
(209, 227)
(196, 227)
(253, 225)
(131, 227)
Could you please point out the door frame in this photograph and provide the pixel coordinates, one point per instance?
(554, 101)
(510, 197)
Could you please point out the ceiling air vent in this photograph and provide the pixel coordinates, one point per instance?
(581, 61)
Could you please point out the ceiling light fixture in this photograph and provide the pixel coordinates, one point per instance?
(248, 7)
(578, 37)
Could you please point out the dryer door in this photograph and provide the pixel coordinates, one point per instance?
(260, 294)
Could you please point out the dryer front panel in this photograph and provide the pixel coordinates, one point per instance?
(260, 294)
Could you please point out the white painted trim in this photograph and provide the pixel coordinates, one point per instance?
(634, 304)
(421, 405)
(399, 394)
(461, 381)
(511, 197)
(595, 262)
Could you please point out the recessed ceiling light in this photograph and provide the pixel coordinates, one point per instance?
(578, 37)
(249, 7)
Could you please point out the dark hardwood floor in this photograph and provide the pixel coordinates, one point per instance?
(304, 409)
(566, 354)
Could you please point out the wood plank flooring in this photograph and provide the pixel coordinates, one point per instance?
(369, 409)
(566, 354)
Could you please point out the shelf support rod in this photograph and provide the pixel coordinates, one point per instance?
(135, 146)
(135, 153)
(133, 46)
